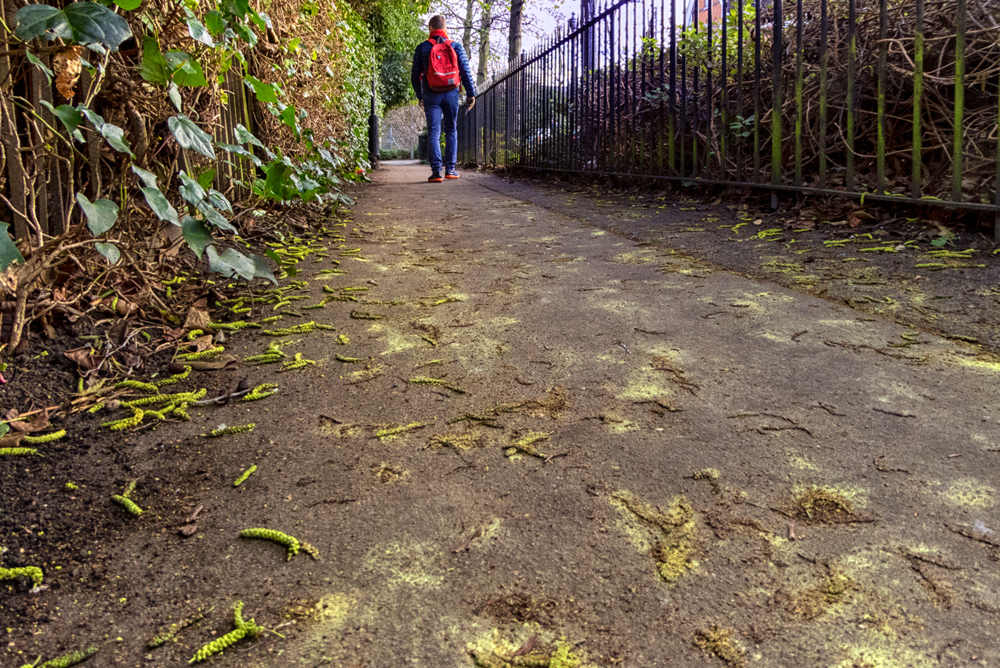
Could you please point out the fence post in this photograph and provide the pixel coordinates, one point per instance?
(11, 146)
(373, 153)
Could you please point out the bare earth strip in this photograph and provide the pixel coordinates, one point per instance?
(561, 448)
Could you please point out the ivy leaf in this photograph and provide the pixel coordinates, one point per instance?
(185, 70)
(219, 201)
(68, 116)
(159, 204)
(248, 35)
(110, 251)
(214, 217)
(87, 23)
(230, 263)
(274, 183)
(199, 32)
(42, 21)
(175, 96)
(261, 20)
(148, 178)
(128, 5)
(244, 136)
(101, 215)
(116, 138)
(239, 150)
(190, 136)
(191, 190)
(261, 270)
(196, 234)
(153, 67)
(33, 59)
(8, 251)
(206, 178)
(96, 24)
(215, 22)
(4, 427)
(265, 92)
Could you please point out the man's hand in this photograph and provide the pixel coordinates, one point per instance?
(470, 103)
(421, 104)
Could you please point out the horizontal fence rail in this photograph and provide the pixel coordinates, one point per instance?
(879, 99)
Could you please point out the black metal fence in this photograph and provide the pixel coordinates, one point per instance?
(889, 100)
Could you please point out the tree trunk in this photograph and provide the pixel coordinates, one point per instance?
(470, 13)
(514, 37)
(484, 41)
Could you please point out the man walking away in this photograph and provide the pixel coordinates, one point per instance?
(439, 65)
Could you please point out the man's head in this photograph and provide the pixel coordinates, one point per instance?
(436, 22)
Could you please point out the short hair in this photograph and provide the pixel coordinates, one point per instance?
(436, 22)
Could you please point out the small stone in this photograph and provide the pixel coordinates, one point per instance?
(188, 530)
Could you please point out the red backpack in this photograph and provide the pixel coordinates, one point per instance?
(442, 72)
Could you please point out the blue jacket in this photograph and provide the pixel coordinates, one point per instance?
(421, 62)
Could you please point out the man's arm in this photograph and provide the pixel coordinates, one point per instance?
(463, 68)
(417, 73)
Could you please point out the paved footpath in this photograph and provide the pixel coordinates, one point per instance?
(607, 451)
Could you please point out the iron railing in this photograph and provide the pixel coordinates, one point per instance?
(889, 100)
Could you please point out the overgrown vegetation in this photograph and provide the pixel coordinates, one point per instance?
(157, 125)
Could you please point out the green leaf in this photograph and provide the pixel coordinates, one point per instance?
(92, 116)
(4, 427)
(274, 256)
(96, 24)
(128, 5)
(214, 217)
(215, 22)
(219, 201)
(68, 116)
(116, 138)
(274, 183)
(157, 201)
(185, 70)
(206, 178)
(191, 190)
(248, 35)
(293, 44)
(239, 150)
(199, 32)
(40, 65)
(231, 263)
(8, 251)
(262, 270)
(101, 215)
(42, 21)
(110, 251)
(190, 136)
(148, 178)
(175, 96)
(260, 20)
(153, 67)
(196, 234)
(244, 136)
(264, 92)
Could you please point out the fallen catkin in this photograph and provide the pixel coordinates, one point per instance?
(221, 643)
(176, 378)
(262, 391)
(135, 385)
(33, 572)
(67, 660)
(290, 542)
(127, 504)
(126, 423)
(246, 474)
(226, 431)
(204, 354)
(17, 452)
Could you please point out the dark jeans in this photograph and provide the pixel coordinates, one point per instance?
(438, 106)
